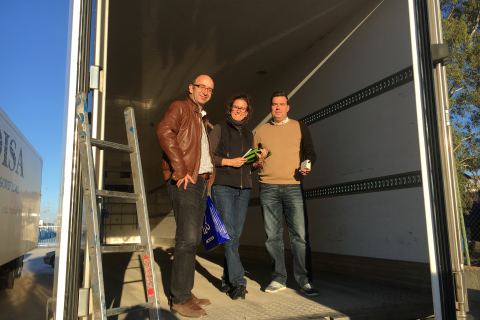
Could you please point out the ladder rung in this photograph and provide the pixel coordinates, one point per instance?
(123, 248)
(102, 144)
(117, 194)
(120, 310)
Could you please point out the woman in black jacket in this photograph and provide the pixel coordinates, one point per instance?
(229, 141)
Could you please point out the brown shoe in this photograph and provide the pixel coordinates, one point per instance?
(188, 309)
(200, 302)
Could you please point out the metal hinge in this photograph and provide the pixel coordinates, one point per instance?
(439, 53)
(83, 300)
(95, 77)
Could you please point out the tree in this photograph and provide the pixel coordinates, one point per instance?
(461, 27)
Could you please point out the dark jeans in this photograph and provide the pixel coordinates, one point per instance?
(280, 201)
(232, 203)
(189, 208)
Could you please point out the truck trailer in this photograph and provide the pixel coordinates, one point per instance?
(368, 79)
(20, 185)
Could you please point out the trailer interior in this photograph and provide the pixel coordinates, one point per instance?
(347, 66)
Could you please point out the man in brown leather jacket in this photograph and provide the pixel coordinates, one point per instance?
(188, 167)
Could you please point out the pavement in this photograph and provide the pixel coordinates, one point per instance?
(28, 298)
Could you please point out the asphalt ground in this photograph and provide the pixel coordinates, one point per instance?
(28, 298)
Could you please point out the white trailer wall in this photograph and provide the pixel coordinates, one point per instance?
(20, 184)
(372, 139)
(353, 44)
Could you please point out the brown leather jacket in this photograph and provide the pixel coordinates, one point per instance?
(179, 133)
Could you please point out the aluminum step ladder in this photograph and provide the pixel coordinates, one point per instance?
(91, 196)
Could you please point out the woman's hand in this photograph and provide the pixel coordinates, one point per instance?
(234, 162)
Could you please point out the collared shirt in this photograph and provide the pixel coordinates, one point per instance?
(206, 165)
(281, 122)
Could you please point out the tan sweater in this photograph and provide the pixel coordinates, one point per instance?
(283, 141)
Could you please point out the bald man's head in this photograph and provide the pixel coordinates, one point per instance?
(201, 89)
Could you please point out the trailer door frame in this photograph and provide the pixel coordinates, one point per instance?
(431, 163)
(68, 264)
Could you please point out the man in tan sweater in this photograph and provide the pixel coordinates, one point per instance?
(292, 153)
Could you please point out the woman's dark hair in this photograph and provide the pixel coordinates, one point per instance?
(241, 96)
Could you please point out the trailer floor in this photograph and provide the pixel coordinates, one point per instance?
(340, 297)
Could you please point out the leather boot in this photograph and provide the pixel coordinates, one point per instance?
(201, 302)
(188, 309)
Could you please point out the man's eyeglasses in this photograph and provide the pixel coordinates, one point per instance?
(241, 109)
(203, 88)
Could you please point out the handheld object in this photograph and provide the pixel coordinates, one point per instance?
(306, 165)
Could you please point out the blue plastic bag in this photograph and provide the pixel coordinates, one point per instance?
(214, 232)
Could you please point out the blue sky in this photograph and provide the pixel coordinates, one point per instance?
(33, 55)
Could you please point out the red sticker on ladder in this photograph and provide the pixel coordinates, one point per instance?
(150, 292)
(148, 276)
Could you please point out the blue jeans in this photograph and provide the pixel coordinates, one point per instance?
(280, 201)
(232, 203)
(189, 209)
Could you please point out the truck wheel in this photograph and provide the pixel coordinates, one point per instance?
(10, 279)
(18, 272)
(19, 267)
